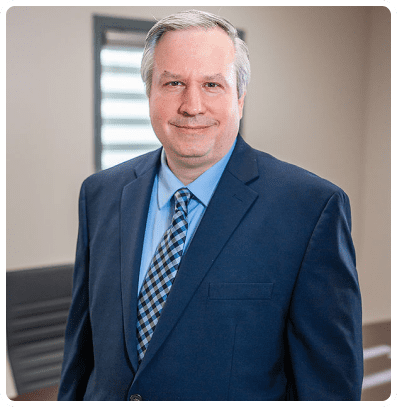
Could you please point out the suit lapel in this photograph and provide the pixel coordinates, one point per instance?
(230, 202)
(135, 202)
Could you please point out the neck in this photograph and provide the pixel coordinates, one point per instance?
(188, 168)
(187, 173)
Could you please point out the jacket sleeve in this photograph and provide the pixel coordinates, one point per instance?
(324, 327)
(78, 352)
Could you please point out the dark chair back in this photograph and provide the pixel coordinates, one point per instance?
(38, 302)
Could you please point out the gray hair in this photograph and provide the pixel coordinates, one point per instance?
(191, 19)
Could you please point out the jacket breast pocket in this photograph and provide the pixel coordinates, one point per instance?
(240, 291)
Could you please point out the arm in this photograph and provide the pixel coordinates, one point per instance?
(78, 353)
(324, 328)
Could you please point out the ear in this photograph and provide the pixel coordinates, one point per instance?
(241, 104)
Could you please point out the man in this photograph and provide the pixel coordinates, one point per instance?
(208, 270)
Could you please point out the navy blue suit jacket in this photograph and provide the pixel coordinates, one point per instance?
(265, 306)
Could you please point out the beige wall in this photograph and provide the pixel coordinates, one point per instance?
(375, 259)
(319, 98)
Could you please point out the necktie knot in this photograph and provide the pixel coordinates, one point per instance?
(182, 198)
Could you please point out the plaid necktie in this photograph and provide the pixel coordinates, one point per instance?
(162, 272)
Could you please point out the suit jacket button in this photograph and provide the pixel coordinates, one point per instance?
(136, 397)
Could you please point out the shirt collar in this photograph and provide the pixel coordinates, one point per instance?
(202, 188)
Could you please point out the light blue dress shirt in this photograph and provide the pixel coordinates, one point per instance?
(161, 208)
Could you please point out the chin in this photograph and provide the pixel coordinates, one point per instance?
(193, 148)
(193, 154)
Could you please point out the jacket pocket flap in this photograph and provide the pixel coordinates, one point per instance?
(240, 291)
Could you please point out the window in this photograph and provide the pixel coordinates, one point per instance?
(122, 124)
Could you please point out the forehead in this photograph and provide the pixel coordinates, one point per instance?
(204, 49)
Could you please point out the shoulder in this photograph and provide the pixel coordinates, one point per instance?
(295, 193)
(278, 171)
(255, 166)
(122, 174)
(290, 183)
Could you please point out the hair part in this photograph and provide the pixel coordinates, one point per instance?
(196, 19)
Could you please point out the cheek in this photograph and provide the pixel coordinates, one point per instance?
(158, 112)
(228, 112)
(162, 109)
(220, 108)
(155, 107)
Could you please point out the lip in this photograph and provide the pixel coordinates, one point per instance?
(191, 127)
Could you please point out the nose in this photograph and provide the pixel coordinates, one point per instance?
(192, 102)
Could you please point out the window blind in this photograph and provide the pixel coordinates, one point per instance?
(126, 131)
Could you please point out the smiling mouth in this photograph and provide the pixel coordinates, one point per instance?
(191, 127)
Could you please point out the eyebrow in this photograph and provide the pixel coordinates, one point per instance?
(169, 75)
(216, 77)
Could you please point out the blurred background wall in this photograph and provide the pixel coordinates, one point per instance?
(319, 98)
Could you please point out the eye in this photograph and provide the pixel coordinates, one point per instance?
(173, 83)
(211, 85)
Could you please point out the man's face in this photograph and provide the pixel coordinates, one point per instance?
(194, 107)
